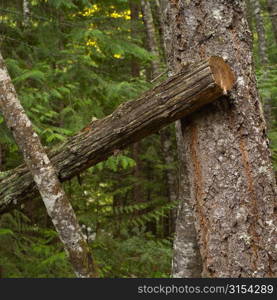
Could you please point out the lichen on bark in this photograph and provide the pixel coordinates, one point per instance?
(232, 186)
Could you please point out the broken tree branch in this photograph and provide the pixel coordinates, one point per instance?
(177, 97)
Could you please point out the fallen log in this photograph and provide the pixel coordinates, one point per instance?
(175, 98)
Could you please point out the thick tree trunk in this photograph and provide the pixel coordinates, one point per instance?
(232, 187)
(272, 9)
(57, 205)
(186, 261)
(177, 97)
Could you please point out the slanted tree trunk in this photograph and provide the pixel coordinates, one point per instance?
(57, 205)
(173, 99)
(232, 186)
(272, 9)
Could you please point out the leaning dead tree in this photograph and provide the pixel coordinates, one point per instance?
(175, 98)
(56, 202)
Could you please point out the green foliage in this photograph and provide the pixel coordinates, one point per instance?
(30, 251)
(72, 64)
(140, 255)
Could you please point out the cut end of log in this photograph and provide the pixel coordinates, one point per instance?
(223, 75)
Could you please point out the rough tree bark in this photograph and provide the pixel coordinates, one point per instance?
(272, 9)
(177, 97)
(57, 205)
(232, 185)
(186, 261)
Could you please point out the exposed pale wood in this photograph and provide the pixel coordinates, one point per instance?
(175, 98)
(43, 172)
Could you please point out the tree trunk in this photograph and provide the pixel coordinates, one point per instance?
(177, 97)
(260, 31)
(134, 9)
(263, 58)
(135, 72)
(26, 12)
(186, 261)
(44, 174)
(151, 37)
(171, 184)
(160, 19)
(232, 186)
(272, 9)
(166, 144)
(1, 157)
(249, 14)
(186, 255)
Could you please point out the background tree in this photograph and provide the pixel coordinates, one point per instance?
(54, 198)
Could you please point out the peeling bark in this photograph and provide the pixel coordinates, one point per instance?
(232, 186)
(57, 205)
(186, 255)
(177, 97)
